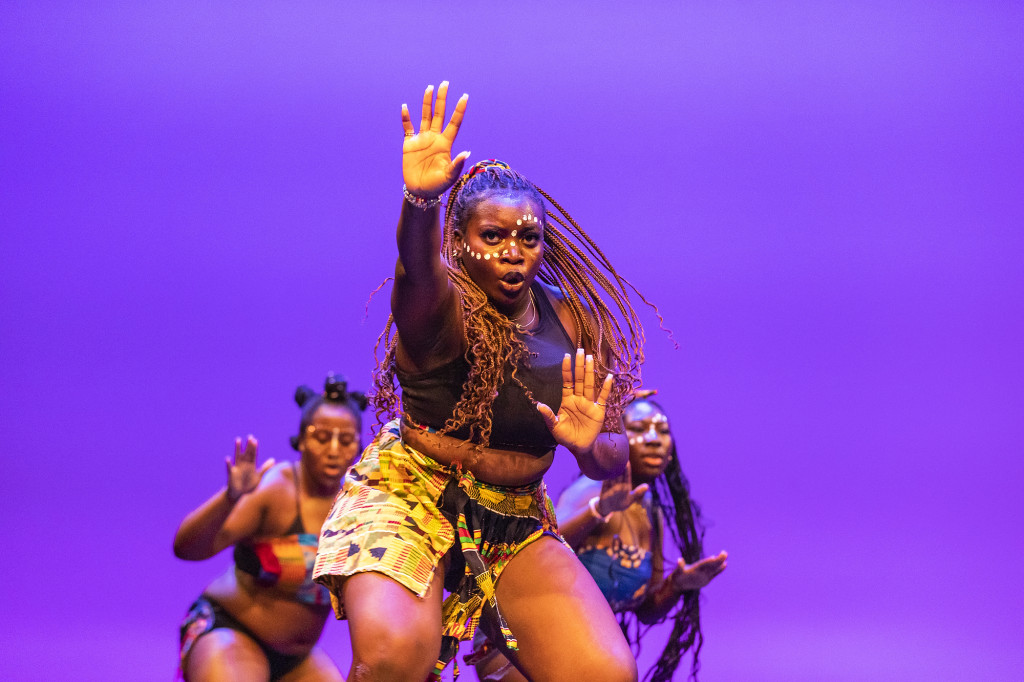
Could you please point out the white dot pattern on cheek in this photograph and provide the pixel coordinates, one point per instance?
(518, 222)
(487, 256)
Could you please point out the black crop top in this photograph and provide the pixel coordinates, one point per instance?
(429, 398)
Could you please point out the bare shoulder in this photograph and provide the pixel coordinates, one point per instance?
(562, 307)
(278, 484)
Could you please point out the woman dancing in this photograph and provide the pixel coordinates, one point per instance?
(262, 618)
(618, 532)
(514, 335)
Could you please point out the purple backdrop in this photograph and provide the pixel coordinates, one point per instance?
(825, 200)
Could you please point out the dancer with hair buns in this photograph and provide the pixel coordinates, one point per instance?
(262, 618)
(619, 534)
(514, 335)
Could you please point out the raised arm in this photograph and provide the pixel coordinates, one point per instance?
(423, 299)
(232, 514)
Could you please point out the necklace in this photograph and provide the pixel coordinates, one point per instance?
(530, 308)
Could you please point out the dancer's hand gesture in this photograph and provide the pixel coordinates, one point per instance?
(427, 166)
(698, 574)
(581, 416)
(618, 493)
(243, 476)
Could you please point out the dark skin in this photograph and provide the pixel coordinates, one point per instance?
(650, 442)
(543, 589)
(631, 519)
(258, 502)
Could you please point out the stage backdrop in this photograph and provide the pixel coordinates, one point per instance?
(824, 200)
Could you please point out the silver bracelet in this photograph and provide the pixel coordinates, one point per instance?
(420, 202)
(593, 510)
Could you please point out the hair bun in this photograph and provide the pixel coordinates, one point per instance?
(303, 394)
(360, 399)
(335, 388)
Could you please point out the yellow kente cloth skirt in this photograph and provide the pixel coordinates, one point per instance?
(399, 512)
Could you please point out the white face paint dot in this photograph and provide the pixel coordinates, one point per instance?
(514, 232)
(478, 256)
(519, 222)
(487, 256)
(512, 243)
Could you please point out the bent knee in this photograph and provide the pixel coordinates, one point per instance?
(385, 650)
(225, 654)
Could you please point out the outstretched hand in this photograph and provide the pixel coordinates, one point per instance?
(427, 166)
(618, 493)
(580, 417)
(243, 476)
(698, 574)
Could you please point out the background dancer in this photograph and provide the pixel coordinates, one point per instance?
(618, 532)
(261, 619)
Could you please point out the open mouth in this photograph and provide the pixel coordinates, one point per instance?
(652, 460)
(513, 277)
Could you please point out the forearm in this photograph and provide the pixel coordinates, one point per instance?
(419, 242)
(659, 602)
(578, 526)
(198, 535)
(606, 458)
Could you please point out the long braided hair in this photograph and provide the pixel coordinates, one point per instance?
(606, 323)
(670, 493)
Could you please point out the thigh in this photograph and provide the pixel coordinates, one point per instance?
(564, 627)
(394, 633)
(318, 667)
(226, 655)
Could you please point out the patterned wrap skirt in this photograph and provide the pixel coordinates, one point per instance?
(400, 512)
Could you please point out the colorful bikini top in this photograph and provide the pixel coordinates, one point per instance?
(622, 572)
(285, 563)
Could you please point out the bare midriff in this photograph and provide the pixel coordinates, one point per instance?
(285, 625)
(509, 468)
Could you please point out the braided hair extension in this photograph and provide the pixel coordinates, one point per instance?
(335, 393)
(670, 493)
(606, 323)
